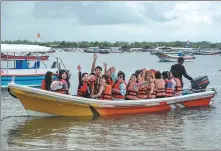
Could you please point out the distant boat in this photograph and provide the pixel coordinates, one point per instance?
(135, 49)
(92, 50)
(206, 52)
(169, 50)
(163, 57)
(70, 49)
(103, 51)
(114, 50)
(210, 52)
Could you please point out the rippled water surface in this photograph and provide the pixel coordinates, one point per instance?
(198, 128)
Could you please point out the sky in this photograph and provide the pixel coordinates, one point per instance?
(111, 21)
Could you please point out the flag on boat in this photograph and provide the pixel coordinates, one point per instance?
(39, 37)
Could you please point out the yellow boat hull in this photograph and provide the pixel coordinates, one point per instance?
(39, 102)
(37, 105)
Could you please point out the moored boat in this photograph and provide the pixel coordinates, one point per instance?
(39, 102)
(103, 51)
(164, 57)
(26, 71)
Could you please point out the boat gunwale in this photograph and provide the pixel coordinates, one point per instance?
(113, 103)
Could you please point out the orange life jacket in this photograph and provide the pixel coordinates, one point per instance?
(153, 94)
(169, 88)
(110, 81)
(117, 86)
(82, 90)
(131, 93)
(178, 88)
(106, 95)
(43, 85)
(160, 87)
(142, 91)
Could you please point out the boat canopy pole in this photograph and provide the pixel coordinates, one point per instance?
(7, 62)
(14, 60)
(58, 66)
(36, 62)
(63, 64)
(44, 63)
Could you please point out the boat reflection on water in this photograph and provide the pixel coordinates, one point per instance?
(45, 132)
(85, 133)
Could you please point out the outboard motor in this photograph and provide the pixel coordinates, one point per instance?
(199, 84)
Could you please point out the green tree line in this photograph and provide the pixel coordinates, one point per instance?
(104, 44)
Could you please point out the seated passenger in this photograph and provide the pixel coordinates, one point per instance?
(91, 83)
(62, 85)
(142, 89)
(178, 89)
(131, 93)
(105, 90)
(83, 87)
(169, 84)
(151, 85)
(119, 87)
(47, 81)
(160, 85)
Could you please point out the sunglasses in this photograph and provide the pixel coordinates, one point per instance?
(120, 77)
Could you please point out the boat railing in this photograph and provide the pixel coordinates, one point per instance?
(58, 64)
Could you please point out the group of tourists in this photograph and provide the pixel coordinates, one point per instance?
(143, 84)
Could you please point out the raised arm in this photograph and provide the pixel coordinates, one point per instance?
(94, 62)
(79, 72)
(105, 68)
(113, 76)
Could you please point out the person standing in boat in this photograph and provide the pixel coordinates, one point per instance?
(62, 85)
(46, 83)
(105, 90)
(83, 86)
(180, 71)
(98, 71)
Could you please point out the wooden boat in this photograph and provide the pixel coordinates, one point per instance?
(39, 102)
(164, 57)
(29, 58)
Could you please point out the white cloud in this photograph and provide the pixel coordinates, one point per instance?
(112, 21)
